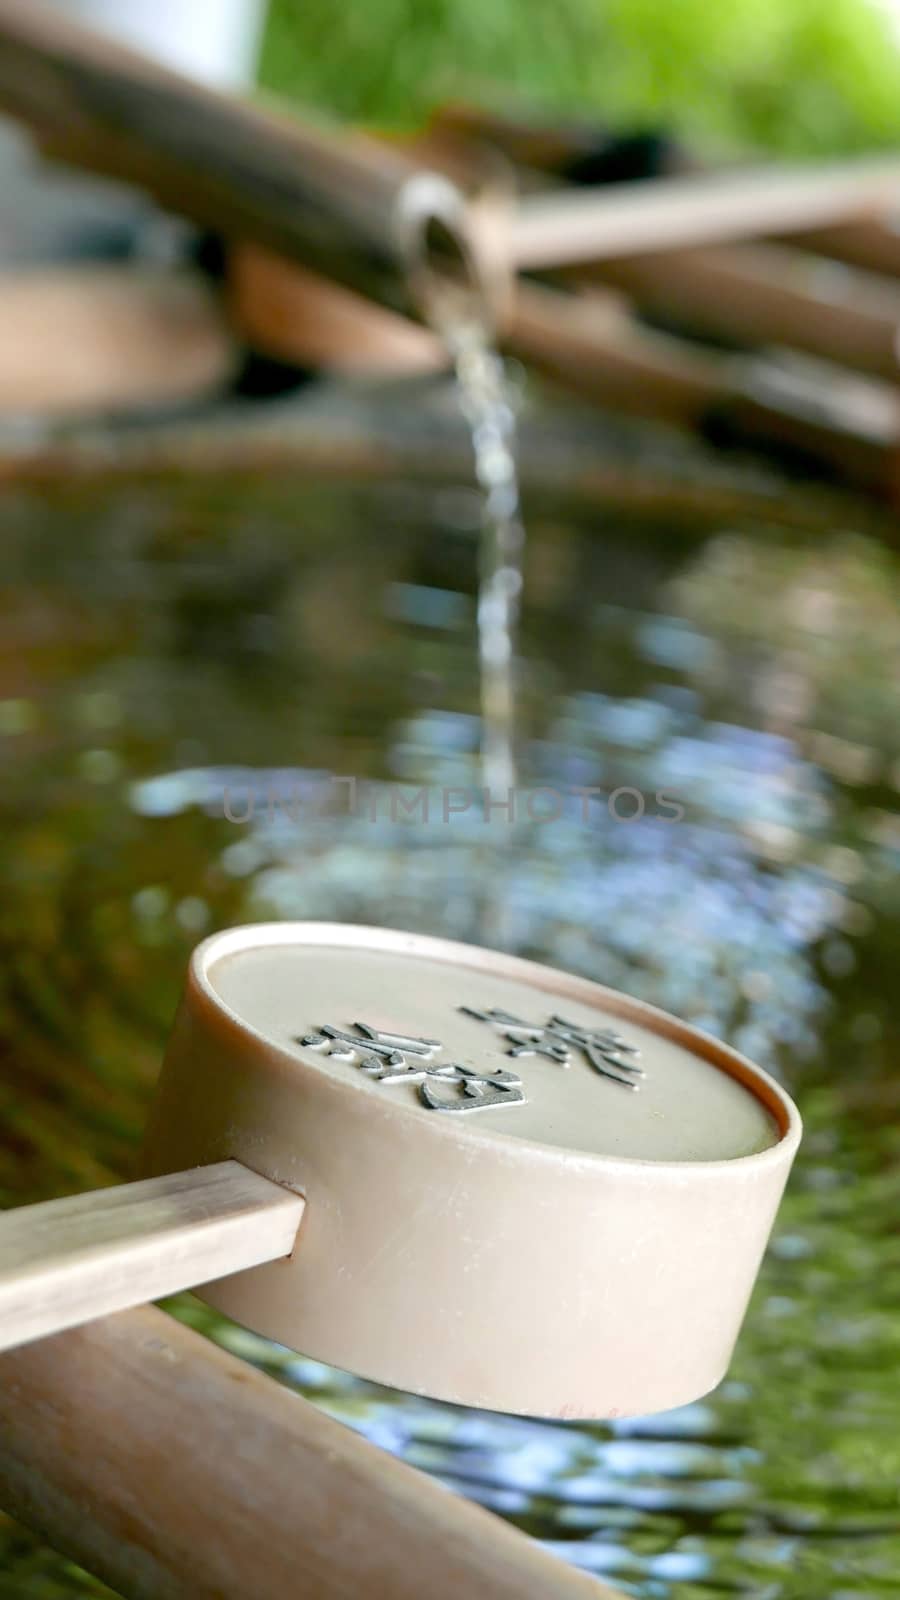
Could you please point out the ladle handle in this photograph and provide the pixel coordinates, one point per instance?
(65, 1262)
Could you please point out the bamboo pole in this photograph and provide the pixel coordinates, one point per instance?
(590, 344)
(841, 421)
(335, 203)
(176, 1472)
(874, 245)
(564, 227)
(768, 294)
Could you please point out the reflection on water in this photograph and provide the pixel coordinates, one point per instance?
(160, 644)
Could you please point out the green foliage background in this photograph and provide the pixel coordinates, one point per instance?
(799, 76)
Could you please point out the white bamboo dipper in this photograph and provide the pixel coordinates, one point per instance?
(519, 1190)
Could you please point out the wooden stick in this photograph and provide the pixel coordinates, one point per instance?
(759, 294)
(176, 1472)
(75, 340)
(330, 201)
(66, 1261)
(563, 227)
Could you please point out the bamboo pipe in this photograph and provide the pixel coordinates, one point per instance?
(873, 245)
(769, 295)
(590, 344)
(353, 208)
(176, 1472)
(596, 350)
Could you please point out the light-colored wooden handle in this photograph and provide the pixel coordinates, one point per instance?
(64, 1262)
(177, 1472)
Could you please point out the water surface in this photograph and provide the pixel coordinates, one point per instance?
(163, 641)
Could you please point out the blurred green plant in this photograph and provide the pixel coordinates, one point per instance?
(794, 76)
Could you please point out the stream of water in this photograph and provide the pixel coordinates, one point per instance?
(485, 399)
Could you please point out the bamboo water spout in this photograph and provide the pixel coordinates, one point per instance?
(343, 204)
